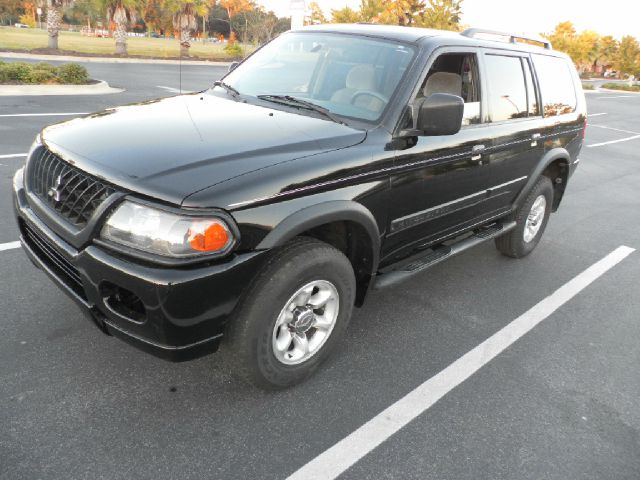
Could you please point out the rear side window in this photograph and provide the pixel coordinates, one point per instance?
(556, 85)
(507, 88)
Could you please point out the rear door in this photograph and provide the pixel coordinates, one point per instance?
(513, 108)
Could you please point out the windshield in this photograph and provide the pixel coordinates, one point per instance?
(347, 75)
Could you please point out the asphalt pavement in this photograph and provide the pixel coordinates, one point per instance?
(559, 403)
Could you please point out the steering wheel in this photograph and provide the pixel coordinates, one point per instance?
(361, 93)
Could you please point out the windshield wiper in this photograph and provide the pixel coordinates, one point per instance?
(298, 102)
(234, 93)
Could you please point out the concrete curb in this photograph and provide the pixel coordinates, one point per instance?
(100, 88)
(69, 58)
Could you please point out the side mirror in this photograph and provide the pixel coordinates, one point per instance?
(440, 114)
(233, 66)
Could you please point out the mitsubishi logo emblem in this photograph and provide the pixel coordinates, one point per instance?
(55, 192)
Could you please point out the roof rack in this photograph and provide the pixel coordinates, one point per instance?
(513, 38)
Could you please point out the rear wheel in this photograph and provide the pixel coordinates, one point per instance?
(531, 220)
(293, 315)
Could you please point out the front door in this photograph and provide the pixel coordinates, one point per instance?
(440, 183)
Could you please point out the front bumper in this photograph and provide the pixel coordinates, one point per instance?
(184, 309)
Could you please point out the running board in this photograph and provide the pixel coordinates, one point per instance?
(396, 274)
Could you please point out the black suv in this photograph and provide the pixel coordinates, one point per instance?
(334, 160)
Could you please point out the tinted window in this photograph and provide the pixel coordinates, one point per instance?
(556, 85)
(507, 90)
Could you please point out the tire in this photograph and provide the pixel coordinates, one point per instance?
(251, 338)
(521, 241)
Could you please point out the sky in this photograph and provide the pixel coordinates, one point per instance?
(607, 17)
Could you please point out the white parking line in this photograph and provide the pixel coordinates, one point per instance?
(615, 96)
(9, 246)
(14, 155)
(173, 90)
(42, 114)
(337, 459)
(595, 114)
(614, 129)
(613, 141)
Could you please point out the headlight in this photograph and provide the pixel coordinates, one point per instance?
(165, 233)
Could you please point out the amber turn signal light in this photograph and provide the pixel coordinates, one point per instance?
(209, 237)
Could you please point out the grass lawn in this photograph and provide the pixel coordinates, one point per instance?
(27, 39)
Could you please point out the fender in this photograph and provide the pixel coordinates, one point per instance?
(548, 158)
(320, 214)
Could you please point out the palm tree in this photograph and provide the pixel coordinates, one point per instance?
(54, 18)
(184, 20)
(122, 13)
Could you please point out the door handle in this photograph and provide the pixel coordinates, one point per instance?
(477, 153)
(534, 139)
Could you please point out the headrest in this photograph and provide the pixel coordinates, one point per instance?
(361, 77)
(443, 82)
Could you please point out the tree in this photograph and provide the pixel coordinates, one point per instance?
(257, 26)
(370, 10)
(443, 15)
(317, 15)
(628, 58)
(10, 11)
(54, 19)
(184, 19)
(608, 51)
(563, 38)
(121, 13)
(86, 12)
(345, 15)
(402, 12)
(234, 7)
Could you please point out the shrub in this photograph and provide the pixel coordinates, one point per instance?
(622, 86)
(588, 86)
(73, 73)
(41, 76)
(28, 20)
(38, 73)
(16, 72)
(233, 50)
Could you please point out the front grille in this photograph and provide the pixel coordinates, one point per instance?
(59, 265)
(72, 193)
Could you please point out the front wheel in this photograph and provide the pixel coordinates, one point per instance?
(531, 220)
(293, 315)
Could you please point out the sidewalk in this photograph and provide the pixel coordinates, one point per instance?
(69, 58)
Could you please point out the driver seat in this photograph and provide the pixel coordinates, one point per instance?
(360, 78)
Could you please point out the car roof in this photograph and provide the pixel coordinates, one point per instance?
(423, 35)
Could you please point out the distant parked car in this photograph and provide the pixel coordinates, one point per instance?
(21, 25)
(155, 35)
(611, 74)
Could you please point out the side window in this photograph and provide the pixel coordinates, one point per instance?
(507, 88)
(556, 85)
(532, 94)
(456, 74)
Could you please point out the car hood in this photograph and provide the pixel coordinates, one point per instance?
(172, 147)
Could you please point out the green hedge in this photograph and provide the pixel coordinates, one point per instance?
(622, 86)
(43, 73)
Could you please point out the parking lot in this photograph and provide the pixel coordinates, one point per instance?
(561, 402)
